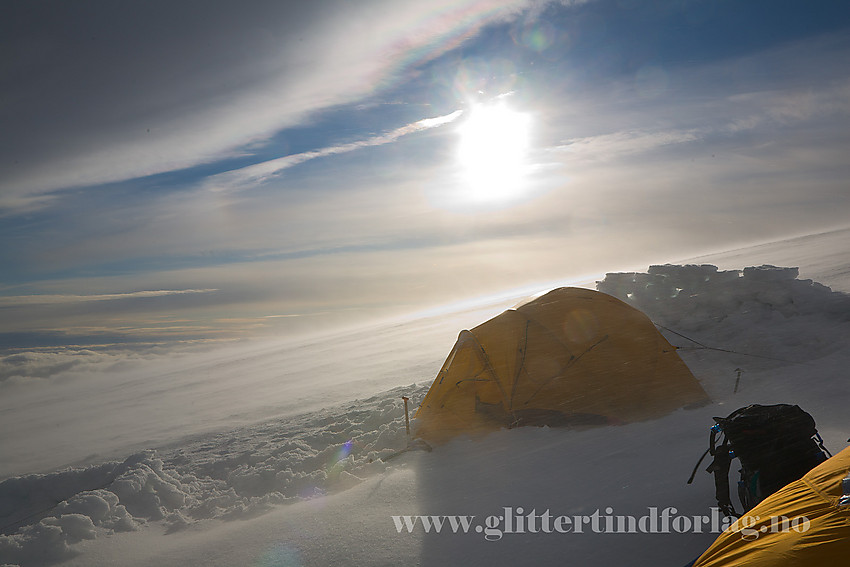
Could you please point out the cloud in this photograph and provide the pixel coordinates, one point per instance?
(107, 92)
(738, 106)
(247, 177)
(743, 113)
(606, 147)
(19, 300)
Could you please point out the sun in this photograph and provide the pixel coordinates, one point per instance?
(493, 152)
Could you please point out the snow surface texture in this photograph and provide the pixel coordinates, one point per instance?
(320, 488)
(236, 475)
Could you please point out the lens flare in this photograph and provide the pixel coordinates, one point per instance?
(339, 459)
(280, 556)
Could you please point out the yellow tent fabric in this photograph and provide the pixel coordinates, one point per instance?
(571, 357)
(816, 532)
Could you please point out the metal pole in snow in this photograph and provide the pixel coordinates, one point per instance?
(738, 379)
(406, 416)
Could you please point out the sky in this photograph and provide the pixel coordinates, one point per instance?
(175, 173)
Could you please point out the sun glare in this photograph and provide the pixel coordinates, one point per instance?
(494, 143)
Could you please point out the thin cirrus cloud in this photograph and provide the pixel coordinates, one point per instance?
(250, 176)
(143, 95)
(744, 111)
(47, 299)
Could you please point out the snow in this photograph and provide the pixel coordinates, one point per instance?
(106, 404)
(310, 473)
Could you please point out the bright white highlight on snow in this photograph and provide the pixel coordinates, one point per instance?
(494, 143)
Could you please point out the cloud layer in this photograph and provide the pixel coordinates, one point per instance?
(303, 169)
(132, 91)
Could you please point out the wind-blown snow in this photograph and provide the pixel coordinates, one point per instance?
(237, 475)
(320, 487)
(111, 404)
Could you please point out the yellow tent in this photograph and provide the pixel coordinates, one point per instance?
(801, 525)
(571, 357)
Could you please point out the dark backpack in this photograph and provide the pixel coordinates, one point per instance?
(775, 444)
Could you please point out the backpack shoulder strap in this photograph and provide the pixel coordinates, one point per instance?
(711, 449)
(696, 466)
(719, 467)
